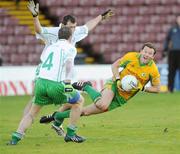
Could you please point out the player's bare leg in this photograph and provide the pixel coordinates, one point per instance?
(64, 107)
(100, 105)
(28, 119)
(29, 104)
(75, 113)
(27, 107)
(25, 123)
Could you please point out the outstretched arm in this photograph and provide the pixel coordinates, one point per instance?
(116, 70)
(37, 25)
(34, 9)
(93, 22)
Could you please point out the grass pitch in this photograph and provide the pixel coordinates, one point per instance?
(147, 124)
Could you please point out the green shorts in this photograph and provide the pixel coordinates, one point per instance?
(49, 92)
(118, 100)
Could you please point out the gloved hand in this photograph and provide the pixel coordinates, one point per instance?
(118, 84)
(106, 15)
(34, 9)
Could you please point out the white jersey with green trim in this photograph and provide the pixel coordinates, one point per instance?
(56, 57)
(50, 35)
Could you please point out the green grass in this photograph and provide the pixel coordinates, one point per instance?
(136, 128)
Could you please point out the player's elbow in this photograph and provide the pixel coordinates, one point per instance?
(102, 106)
(38, 30)
(158, 89)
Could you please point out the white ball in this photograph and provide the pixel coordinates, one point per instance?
(127, 82)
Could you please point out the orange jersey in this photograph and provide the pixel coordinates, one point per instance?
(143, 72)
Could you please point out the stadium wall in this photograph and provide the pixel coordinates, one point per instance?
(19, 80)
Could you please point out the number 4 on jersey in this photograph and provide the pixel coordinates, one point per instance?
(48, 62)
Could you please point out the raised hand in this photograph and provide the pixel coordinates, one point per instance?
(34, 9)
(108, 14)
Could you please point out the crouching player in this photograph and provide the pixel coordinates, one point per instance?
(50, 89)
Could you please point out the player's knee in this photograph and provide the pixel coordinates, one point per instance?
(75, 105)
(80, 102)
(101, 106)
(85, 113)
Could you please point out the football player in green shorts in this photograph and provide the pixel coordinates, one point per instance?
(49, 35)
(51, 88)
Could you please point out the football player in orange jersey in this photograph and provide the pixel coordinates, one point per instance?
(139, 64)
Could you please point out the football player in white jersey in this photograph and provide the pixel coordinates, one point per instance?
(51, 88)
(50, 35)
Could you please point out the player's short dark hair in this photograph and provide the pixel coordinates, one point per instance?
(68, 18)
(150, 45)
(64, 33)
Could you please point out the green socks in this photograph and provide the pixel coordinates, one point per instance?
(94, 95)
(59, 117)
(71, 130)
(58, 123)
(16, 137)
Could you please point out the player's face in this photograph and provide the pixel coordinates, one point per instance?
(147, 54)
(71, 25)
